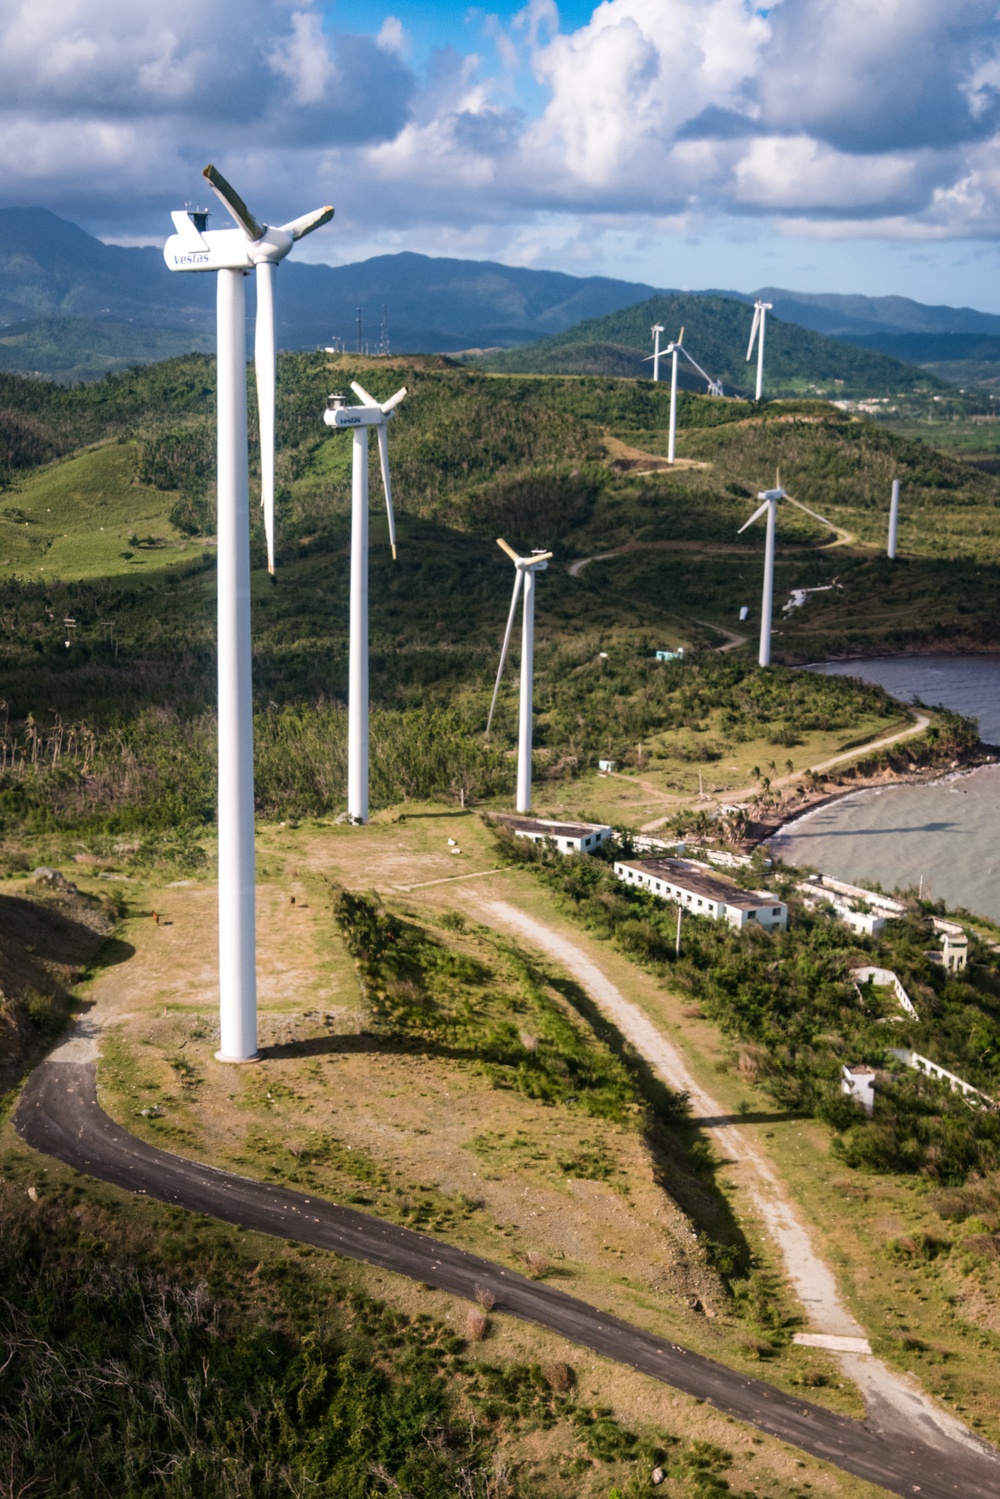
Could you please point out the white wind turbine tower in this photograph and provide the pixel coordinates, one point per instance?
(760, 311)
(673, 349)
(231, 253)
(360, 419)
(770, 498)
(525, 570)
(656, 330)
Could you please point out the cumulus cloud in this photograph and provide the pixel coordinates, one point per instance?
(812, 113)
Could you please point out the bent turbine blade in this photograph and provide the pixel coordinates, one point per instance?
(297, 228)
(362, 394)
(518, 576)
(753, 332)
(756, 516)
(251, 227)
(264, 367)
(393, 401)
(383, 454)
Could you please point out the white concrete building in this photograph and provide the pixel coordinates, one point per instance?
(703, 894)
(884, 978)
(954, 953)
(859, 1083)
(568, 837)
(862, 910)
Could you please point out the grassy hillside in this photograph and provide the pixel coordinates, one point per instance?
(116, 730)
(798, 361)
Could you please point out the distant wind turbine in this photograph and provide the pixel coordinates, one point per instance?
(360, 419)
(525, 570)
(231, 253)
(673, 349)
(656, 330)
(760, 311)
(770, 498)
(893, 518)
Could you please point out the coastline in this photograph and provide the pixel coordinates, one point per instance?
(771, 827)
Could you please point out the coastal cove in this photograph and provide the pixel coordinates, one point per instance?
(945, 833)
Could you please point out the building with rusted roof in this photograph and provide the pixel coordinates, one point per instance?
(702, 893)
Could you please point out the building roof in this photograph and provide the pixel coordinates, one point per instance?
(548, 829)
(680, 872)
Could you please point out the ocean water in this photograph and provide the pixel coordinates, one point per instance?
(947, 833)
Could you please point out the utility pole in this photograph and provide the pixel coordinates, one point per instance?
(677, 948)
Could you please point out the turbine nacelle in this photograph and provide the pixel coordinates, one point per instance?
(537, 562)
(370, 413)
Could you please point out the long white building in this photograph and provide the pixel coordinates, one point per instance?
(704, 894)
(568, 837)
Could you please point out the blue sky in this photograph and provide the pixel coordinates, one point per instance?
(841, 145)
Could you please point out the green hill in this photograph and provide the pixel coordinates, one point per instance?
(798, 361)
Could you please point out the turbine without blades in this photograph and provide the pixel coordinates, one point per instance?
(231, 253)
(770, 498)
(360, 420)
(760, 311)
(525, 570)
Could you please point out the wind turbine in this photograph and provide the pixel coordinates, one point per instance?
(893, 519)
(361, 419)
(673, 349)
(770, 498)
(760, 311)
(656, 330)
(525, 570)
(231, 253)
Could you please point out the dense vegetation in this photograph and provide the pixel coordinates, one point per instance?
(716, 332)
(788, 1004)
(167, 1359)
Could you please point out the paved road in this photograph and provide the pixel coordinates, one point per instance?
(59, 1115)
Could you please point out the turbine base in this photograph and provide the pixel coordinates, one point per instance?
(220, 1056)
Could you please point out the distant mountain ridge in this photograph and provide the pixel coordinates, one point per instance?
(72, 307)
(799, 362)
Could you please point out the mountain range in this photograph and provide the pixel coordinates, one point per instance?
(72, 307)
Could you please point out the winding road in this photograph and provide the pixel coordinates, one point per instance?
(59, 1115)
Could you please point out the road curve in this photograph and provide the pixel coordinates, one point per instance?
(58, 1114)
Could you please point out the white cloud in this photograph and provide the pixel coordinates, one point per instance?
(819, 115)
(303, 59)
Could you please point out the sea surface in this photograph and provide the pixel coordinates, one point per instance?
(946, 833)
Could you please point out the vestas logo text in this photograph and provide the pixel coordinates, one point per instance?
(196, 258)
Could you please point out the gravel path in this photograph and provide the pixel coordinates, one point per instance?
(894, 1401)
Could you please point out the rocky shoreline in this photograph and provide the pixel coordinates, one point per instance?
(764, 828)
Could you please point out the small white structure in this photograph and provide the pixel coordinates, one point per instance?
(933, 1069)
(864, 911)
(677, 655)
(568, 837)
(884, 978)
(606, 767)
(954, 953)
(704, 894)
(859, 1083)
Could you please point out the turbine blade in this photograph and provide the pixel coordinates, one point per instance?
(753, 332)
(362, 394)
(540, 557)
(393, 401)
(508, 549)
(383, 455)
(308, 222)
(251, 227)
(518, 576)
(756, 516)
(680, 336)
(264, 367)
